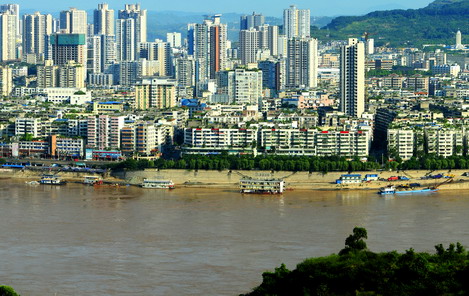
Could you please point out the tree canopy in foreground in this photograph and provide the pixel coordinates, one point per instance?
(7, 291)
(359, 271)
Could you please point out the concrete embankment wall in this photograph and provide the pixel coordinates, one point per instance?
(36, 174)
(294, 180)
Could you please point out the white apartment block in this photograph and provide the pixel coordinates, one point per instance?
(343, 143)
(104, 131)
(219, 137)
(6, 81)
(30, 126)
(296, 22)
(444, 142)
(242, 86)
(401, 141)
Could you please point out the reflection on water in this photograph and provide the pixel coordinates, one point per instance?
(78, 240)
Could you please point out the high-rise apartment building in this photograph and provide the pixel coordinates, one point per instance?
(249, 44)
(185, 67)
(6, 81)
(302, 63)
(68, 47)
(272, 40)
(155, 93)
(352, 78)
(131, 29)
(104, 131)
(35, 29)
(207, 42)
(94, 54)
(251, 21)
(158, 51)
(296, 22)
(240, 85)
(174, 39)
(73, 21)
(103, 20)
(108, 51)
(126, 43)
(8, 37)
(217, 41)
(13, 9)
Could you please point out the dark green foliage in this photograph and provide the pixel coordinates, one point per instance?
(362, 272)
(355, 242)
(399, 70)
(249, 162)
(7, 291)
(294, 163)
(429, 25)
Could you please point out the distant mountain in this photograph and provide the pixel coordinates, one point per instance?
(436, 23)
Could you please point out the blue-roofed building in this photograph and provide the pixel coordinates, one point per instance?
(194, 105)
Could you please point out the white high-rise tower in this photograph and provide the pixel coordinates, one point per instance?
(296, 22)
(35, 29)
(131, 30)
(103, 20)
(73, 21)
(8, 25)
(459, 40)
(352, 78)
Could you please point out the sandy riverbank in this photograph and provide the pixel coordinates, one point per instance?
(295, 180)
(230, 179)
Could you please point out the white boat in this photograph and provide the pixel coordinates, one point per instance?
(92, 180)
(261, 186)
(387, 190)
(158, 184)
(32, 182)
(51, 180)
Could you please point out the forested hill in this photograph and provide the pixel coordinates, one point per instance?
(436, 23)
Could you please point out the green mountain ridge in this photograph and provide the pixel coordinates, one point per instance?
(435, 24)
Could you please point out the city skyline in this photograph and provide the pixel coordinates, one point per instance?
(331, 8)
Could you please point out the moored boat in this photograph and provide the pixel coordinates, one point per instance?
(47, 179)
(32, 182)
(261, 186)
(393, 190)
(157, 184)
(92, 180)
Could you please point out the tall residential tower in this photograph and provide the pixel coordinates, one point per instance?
(296, 22)
(352, 78)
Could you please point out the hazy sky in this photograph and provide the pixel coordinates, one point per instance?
(266, 7)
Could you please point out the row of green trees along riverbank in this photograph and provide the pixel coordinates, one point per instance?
(358, 271)
(295, 163)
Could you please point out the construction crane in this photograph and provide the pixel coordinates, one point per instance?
(367, 35)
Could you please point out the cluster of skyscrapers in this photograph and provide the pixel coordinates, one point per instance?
(71, 52)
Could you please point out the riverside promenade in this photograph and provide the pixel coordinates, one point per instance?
(228, 179)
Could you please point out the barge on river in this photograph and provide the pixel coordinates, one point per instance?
(394, 190)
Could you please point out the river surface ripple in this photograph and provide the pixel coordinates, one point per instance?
(80, 240)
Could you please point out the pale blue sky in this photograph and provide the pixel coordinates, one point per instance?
(267, 7)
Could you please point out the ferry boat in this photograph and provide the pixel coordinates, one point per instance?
(32, 182)
(261, 186)
(92, 180)
(51, 180)
(393, 190)
(158, 184)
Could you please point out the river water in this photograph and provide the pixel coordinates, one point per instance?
(80, 240)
